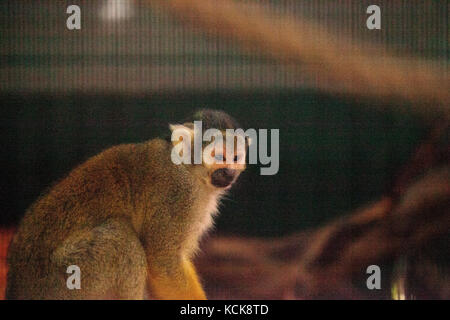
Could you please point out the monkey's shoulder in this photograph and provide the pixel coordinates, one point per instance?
(150, 164)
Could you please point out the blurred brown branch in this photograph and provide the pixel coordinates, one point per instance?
(335, 65)
(321, 263)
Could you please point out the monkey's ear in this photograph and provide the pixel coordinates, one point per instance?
(181, 133)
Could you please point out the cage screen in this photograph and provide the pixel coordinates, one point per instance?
(128, 46)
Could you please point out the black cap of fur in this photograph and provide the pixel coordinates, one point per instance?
(214, 119)
(211, 119)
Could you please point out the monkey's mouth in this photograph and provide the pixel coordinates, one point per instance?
(223, 178)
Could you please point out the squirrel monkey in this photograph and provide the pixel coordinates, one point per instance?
(129, 218)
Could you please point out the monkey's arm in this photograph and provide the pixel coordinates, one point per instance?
(175, 280)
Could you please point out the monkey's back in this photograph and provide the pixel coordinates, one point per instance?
(120, 182)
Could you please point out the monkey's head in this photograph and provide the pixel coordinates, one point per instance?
(213, 144)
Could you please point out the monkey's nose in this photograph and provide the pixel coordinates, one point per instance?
(222, 177)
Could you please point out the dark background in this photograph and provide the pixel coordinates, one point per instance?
(335, 153)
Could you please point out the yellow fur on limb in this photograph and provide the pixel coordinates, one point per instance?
(178, 283)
